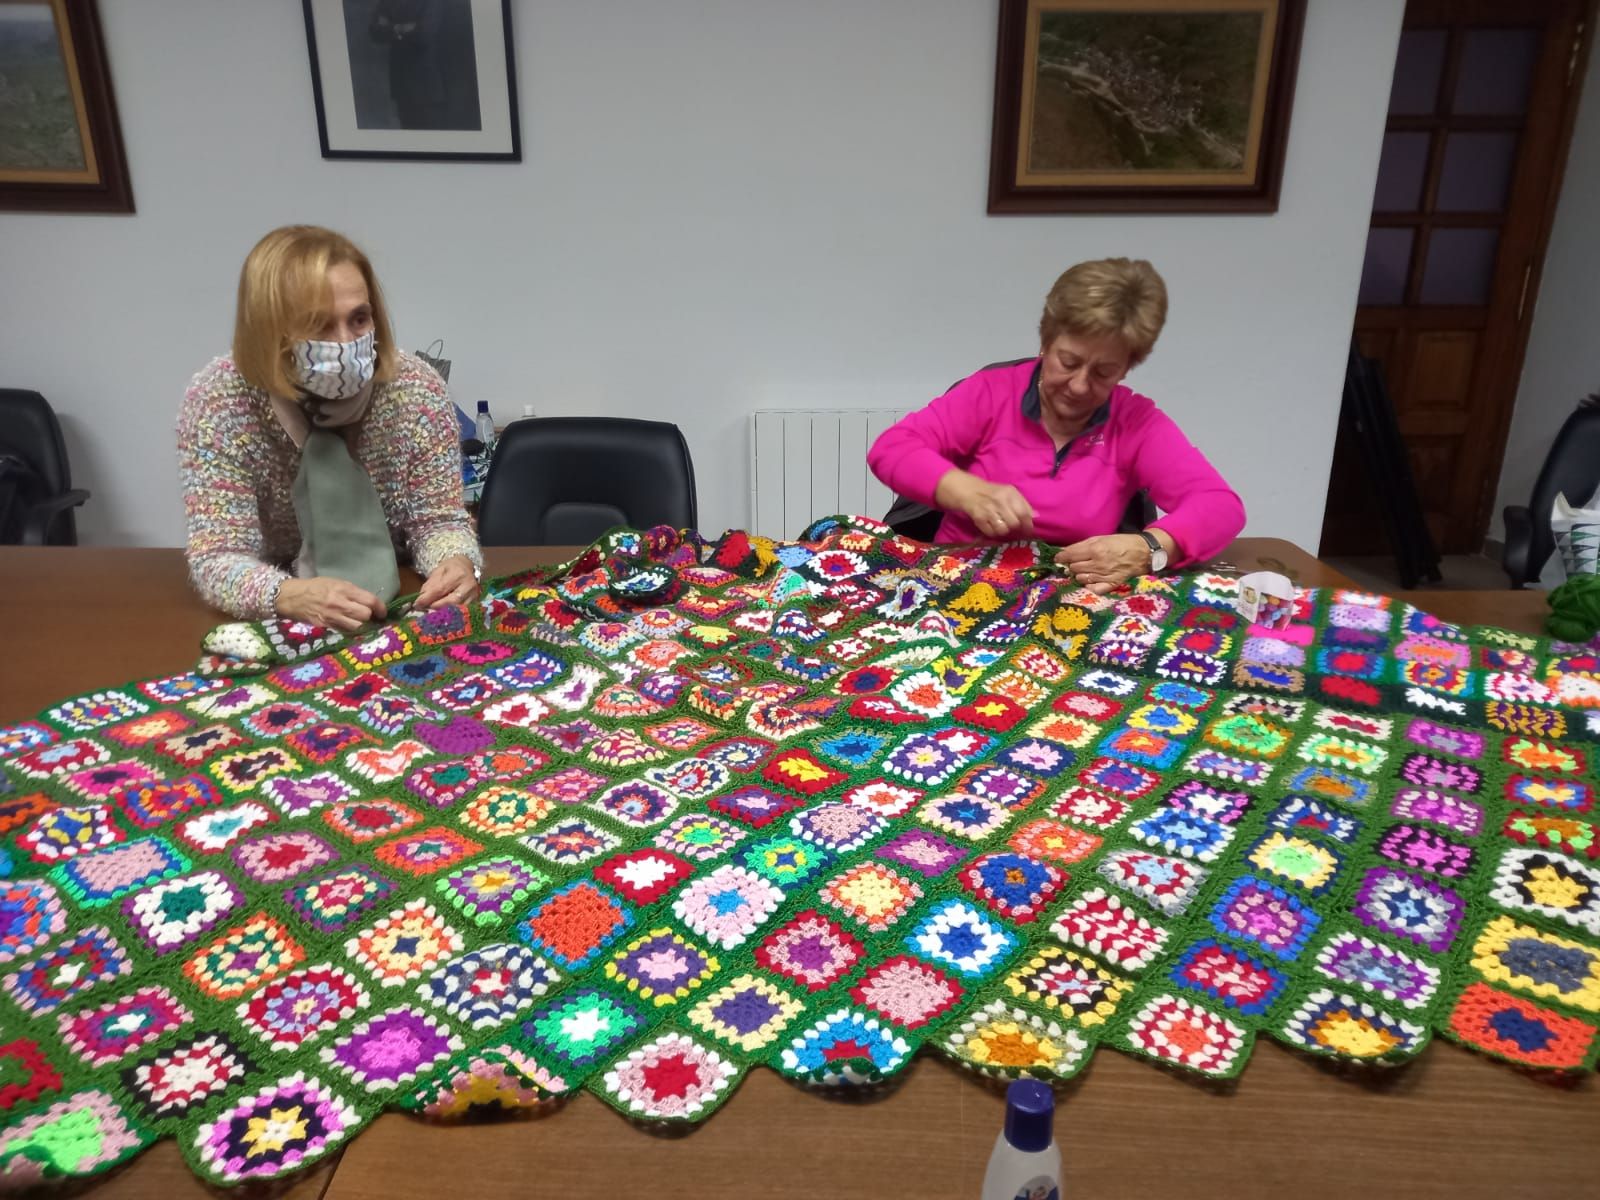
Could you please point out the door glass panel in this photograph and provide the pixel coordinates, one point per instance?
(1383, 274)
(1401, 172)
(1417, 68)
(1476, 176)
(1496, 71)
(1460, 266)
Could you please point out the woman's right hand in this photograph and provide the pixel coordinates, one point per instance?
(997, 510)
(330, 602)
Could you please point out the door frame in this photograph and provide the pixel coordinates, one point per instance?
(1514, 290)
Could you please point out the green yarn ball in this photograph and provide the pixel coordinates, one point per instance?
(1575, 609)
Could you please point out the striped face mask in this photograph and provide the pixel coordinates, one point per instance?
(335, 370)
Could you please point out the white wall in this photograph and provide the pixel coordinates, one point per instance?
(1563, 360)
(722, 206)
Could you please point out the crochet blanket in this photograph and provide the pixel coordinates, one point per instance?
(680, 809)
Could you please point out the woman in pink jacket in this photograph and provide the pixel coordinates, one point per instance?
(1055, 447)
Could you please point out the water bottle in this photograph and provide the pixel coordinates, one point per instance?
(475, 469)
(1025, 1163)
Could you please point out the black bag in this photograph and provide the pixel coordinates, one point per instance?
(438, 362)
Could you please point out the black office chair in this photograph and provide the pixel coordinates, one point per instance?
(920, 522)
(564, 481)
(36, 492)
(1572, 468)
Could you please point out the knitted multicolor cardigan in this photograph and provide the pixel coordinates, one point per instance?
(681, 809)
(238, 467)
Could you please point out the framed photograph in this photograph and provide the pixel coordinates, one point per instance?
(1142, 105)
(60, 144)
(429, 79)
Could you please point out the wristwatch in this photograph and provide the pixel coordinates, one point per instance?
(1158, 553)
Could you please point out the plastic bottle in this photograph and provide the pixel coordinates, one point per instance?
(1025, 1163)
(484, 425)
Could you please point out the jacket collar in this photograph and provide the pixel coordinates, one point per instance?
(1032, 406)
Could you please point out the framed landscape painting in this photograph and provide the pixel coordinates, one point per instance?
(428, 79)
(60, 144)
(1142, 105)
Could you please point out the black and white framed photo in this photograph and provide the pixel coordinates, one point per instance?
(432, 79)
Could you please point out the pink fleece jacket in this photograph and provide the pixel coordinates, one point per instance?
(988, 424)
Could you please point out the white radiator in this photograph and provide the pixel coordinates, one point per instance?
(810, 463)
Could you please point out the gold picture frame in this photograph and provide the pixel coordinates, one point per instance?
(1142, 105)
(60, 143)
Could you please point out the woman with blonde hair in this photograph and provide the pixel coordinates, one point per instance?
(317, 450)
(1054, 447)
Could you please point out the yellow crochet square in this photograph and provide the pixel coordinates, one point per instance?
(1539, 963)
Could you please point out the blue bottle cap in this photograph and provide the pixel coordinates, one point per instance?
(1030, 1111)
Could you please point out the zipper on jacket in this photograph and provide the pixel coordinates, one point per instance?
(1060, 455)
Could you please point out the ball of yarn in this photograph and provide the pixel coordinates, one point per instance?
(1575, 609)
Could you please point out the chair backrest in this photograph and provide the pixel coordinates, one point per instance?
(921, 522)
(29, 430)
(20, 489)
(1572, 468)
(564, 481)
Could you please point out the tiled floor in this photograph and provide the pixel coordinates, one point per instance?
(1462, 572)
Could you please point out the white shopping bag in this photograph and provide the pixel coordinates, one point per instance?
(1266, 598)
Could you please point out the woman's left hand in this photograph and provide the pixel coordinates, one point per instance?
(1101, 563)
(452, 582)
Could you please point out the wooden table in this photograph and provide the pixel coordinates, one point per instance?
(1450, 1124)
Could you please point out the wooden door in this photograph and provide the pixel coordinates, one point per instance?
(1480, 114)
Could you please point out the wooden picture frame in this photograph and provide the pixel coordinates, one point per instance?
(63, 151)
(409, 79)
(1142, 105)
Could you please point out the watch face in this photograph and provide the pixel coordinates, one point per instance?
(1158, 556)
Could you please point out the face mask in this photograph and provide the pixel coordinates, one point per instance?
(334, 370)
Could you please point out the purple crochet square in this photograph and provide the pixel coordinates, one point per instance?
(1425, 770)
(922, 851)
(1425, 804)
(392, 1048)
(1360, 616)
(1445, 739)
(1354, 639)
(1207, 800)
(1426, 850)
(1273, 651)
(1410, 906)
